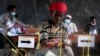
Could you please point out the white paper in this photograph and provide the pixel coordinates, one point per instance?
(83, 41)
(14, 31)
(9, 24)
(26, 38)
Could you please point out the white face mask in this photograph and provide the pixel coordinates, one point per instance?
(67, 21)
(13, 13)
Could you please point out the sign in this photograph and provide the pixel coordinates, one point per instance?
(26, 41)
(86, 41)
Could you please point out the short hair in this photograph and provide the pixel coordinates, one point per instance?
(10, 7)
(92, 17)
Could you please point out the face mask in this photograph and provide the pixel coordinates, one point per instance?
(67, 21)
(13, 13)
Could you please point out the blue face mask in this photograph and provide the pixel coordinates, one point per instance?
(67, 21)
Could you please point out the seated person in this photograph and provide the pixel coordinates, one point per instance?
(92, 27)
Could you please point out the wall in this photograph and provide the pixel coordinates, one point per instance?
(34, 11)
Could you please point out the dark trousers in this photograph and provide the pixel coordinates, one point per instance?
(4, 43)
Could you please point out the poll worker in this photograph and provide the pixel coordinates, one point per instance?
(7, 22)
(69, 25)
(92, 28)
(70, 28)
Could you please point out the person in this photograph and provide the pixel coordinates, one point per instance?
(70, 26)
(92, 27)
(54, 26)
(8, 20)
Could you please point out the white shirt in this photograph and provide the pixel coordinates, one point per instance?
(93, 32)
(10, 24)
(70, 28)
(14, 31)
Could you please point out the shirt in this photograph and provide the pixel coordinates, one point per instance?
(7, 21)
(70, 28)
(51, 30)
